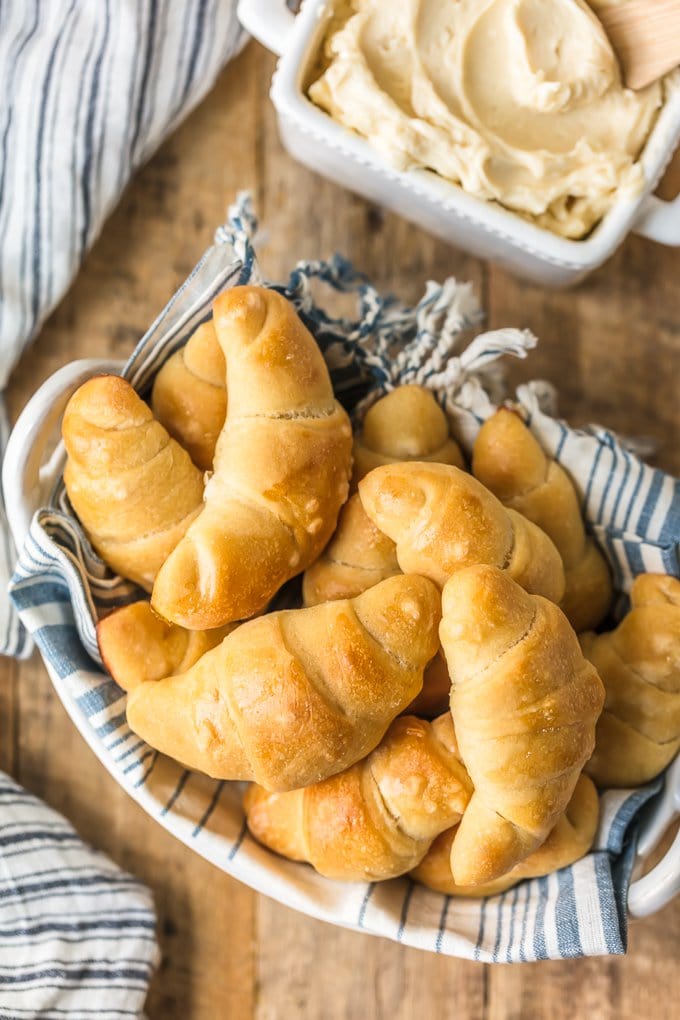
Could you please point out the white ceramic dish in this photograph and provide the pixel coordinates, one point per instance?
(482, 228)
(28, 479)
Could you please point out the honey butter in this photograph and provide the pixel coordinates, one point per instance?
(518, 101)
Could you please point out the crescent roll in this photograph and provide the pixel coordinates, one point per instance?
(134, 488)
(443, 519)
(281, 469)
(525, 703)
(295, 696)
(377, 819)
(569, 841)
(407, 424)
(189, 395)
(511, 463)
(357, 557)
(638, 733)
(136, 645)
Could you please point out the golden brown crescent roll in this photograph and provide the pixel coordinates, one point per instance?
(569, 841)
(136, 645)
(510, 462)
(281, 469)
(443, 519)
(295, 696)
(407, 424)
(377, 819)
(357, 557)
(639, 730)
(189, 395)
(525, 703)
(134, 488)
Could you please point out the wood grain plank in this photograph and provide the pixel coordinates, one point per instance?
(611, 346)
(307, 969)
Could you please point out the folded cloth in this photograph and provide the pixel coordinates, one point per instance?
(88, 90)
(60, 586)
(77, 935)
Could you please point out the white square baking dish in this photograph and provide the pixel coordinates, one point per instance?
(482, 228)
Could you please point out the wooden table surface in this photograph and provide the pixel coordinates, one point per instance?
(613, 348)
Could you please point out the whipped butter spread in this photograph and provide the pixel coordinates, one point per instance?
(518, 101)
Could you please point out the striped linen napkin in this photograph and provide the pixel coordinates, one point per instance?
(88, 91)
(76, 933)
(60, 586)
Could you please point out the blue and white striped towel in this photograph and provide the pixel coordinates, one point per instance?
(88, 91)
(60, 586)
(76, 933)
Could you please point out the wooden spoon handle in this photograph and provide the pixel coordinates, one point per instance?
(645, 35)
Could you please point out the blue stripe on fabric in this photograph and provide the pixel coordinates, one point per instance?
(670, 528)
(83, 961)
(525, 919)
(92, 892)
(563, 438)
(364, 904)
(35, 593)
(513, 909)
(115, 722)
(24, 889)
(66, 655)
(610, 924)
(592, 475)
(32, 834)
(103, 696)
(130, 750)
(238, 842)
(404, 910)
(566, 917)
(649, 506)
(144, 84)
(138, 761)
(606, 485)
(195, 49)
(39, 174)
(143, 778)
(499, 925)
(78, 940)
(99, 915)
(86, 169)
(74, 869)
(641, 472)
(78, 1012)
(622, 486)
(130, 924)
(79, 975)
(209, 810)
(670, 557)
(176, 793)
(540, 948)
(442, 925)
(480, 930)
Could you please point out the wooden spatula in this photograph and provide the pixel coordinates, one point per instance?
(645, 35)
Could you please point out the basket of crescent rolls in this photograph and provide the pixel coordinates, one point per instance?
(447, 687)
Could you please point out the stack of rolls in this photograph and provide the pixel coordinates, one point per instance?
(441, 704)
